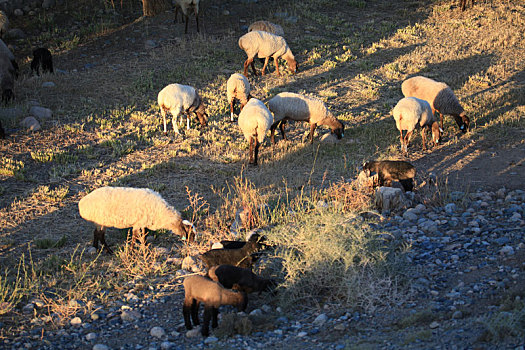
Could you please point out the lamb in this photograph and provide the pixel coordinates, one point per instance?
(238, 257)
(240, 279)
(266, 26)
(4, 23)
(42, 57)
(255, 121)
(439, 96)
(185, 6)
(124, 207)
(7, 78)
(266, 45)
(392, 170)
(199, 289)
(178, 98)
(411, 111)
(237, 87)
(290, 106)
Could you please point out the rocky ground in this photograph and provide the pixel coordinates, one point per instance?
(470, 259)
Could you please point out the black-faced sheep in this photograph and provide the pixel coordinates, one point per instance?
(266, 26)
(125, 207)
(199, 289)
(290, 106)
(42, 57)
(411, 112)
(439, 96)
(177, 99)
(266, 45)
(186, 6)
(392, 170)
(237, 87)
(241, 257)
(240, 279)
(255, 121)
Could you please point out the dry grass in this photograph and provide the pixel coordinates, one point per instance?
(106, 129)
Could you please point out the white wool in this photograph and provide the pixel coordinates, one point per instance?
(411, 111)
(264, 45)
(255, 120)
(266, 26)
(4, 23)
(298, 107)
(124, 207)
(238, 87)
(439, 95)
(177, 99)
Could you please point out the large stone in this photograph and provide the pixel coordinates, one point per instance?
(329, 138)
(157, 332)
(31, 124)
(365, 181)
(388, 198)
(16, 33)
(40, 112)
(190, 264)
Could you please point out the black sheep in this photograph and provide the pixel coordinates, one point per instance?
(392, 170)
(42, 57)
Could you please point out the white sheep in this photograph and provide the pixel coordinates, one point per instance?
(266, 45)
(410, 112)
(125, 207)
(255, 121)
(237, 87)
(291, 106)
(177, 99)
(185, 6)
(4, 23)
(266, 26)
(439, 96)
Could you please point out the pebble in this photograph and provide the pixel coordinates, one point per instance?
(434, 325)
(192, 333)
(130, 316)
(166, 345)
(157, 332)
(302, 334)
(100, 347)
(76, 321)
(91, 336)
(320, 320)
(48, 84)
(210, 340)
(507, 250)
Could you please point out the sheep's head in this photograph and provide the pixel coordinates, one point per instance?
(465, 122)
(201, 114)
(185, 229)
(436, 133)
(242, 297)
(339, 130)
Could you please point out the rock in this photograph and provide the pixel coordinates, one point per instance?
(100, 347)
(92, 250)
(150, 44)
(190, 264)
(91, 336)
(95, 316)
(31, 124)
(434, 325)
(76, 321)
(339, 327)
(225, 13)
(320, 320)
(18, 12)
(365, 181)
(420, 208)
(157, 332)
(302, 334)
(192, 333)
(11, 113)
(28, 308)
(507, 250)
(46, 4)
(217, 245)
(40, 112)
(256, 312)
(457, 315)
(329, 138)
(166, 345)
(388, 198)
(48, 84)
(210, 340)
(410, 215)
(16, 33)
(130, 315)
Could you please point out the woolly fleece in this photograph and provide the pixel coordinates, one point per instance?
(410, 111)
(266, 26)
(264, 45)
(238, 87)
(255, 120)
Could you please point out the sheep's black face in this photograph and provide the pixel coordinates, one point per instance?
(339, 132)
(465, 123)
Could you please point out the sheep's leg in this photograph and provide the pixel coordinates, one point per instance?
(281, 127)
(231, 109)
(197, 20)
(186, 310)
(272, 132)
(96, 235)
(251, 150)
(253, 68)
(263, 72)
(215, 314)
(195, 312)
(208, 311)
(100, 237)
(424, 138)
(174, 121)
(312, 131)
(402, 140)
(186, 29)
(163, 113)
(407, 139)
(187, 122)
(257, 145)
(276, 60)
(248, 62)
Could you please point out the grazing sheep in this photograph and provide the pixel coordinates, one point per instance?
(138, 208)
(4, 23)
(238, 257)
(266, 26)
(178, 98)
(255, 121)
(185, 6)
(290, 106)
(439, 96)
(241, 279)
(237, 87)
(410, 112)
(199, 289)
(42, 57)
(266, 45)
(392, 170)
(7, 78)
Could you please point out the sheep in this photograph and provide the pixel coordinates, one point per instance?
(243, 280)
(255, 121)
(42, 57)
(266, 45)
(178, 98)
(185, 6)
(199, 289)
(238, 257)
(290, 106)
(138, 208)
(7, 78)
(439, 96)
(411, 111)
(392, 170)
(4, 23)
(237, 87)
(4, 50)
(266, 26)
